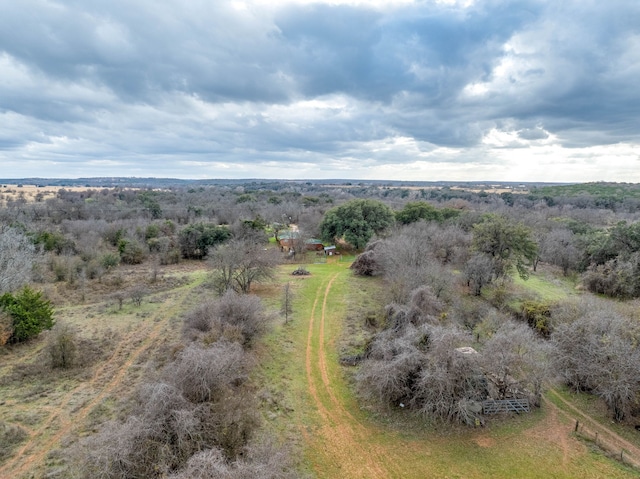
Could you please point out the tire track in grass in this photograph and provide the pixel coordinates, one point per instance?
(607, 435)
(114, 370)
(346, 442)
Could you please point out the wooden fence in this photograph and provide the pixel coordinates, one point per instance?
(607, 444)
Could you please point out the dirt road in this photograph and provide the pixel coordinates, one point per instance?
(344, 439)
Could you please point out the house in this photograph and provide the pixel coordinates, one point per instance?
(313, 244)
(287, 240)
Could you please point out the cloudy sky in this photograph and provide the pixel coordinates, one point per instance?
(382, 89)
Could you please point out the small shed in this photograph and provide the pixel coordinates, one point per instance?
(330, 250)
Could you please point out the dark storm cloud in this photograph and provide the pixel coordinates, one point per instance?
(237, 83)
(374, 55)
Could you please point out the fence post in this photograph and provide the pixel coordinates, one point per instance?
(577, 424)
(596, 438)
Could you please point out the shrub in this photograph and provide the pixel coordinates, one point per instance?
(62, 346)
(10, 437)
(131, 252)
(366, 264)
(109, 260)
(6, 328)
(205, 374)
(137, 295)
(243, 311)
(538, 316)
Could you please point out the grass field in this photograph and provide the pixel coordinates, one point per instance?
(318, 410)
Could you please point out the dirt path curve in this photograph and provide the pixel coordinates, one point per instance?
(345, 440)
(610, 438)
(67, 416)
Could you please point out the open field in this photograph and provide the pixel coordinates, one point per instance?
(32, 193)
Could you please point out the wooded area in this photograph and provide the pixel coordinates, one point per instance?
(452, 331)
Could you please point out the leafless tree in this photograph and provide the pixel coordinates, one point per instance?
(452, 380)
(17, 257)
(199, 404)
(240, 263)
(559, 247)
(160, 435)
(393, 363)
(202, 318)
(599, 353)
(479, 271)
(517, 362)
(264, 460)
(366, 264)
(239, 317)
(137, 295)
(244, 312)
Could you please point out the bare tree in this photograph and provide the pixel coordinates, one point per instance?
(245, 312)
(234, 317)
(263, 459)
(599, 353)
(559, 248)
(198, 405)
(137, 295)
(240, 263)
(479, 271)
(161, 434)
(17, 256)
(517, 362)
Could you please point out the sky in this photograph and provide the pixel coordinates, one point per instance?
(429, 90)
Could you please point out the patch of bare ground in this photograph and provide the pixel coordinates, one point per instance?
(484, 441)
(555, 429)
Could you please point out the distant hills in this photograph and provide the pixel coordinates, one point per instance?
(133, 182)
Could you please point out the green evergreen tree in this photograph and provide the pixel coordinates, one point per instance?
(508, 244)
(30, 313)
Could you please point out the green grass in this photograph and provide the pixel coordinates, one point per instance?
(404, 445)
(545, 287)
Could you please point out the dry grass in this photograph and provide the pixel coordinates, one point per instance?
(33, 193)
(55, 407)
